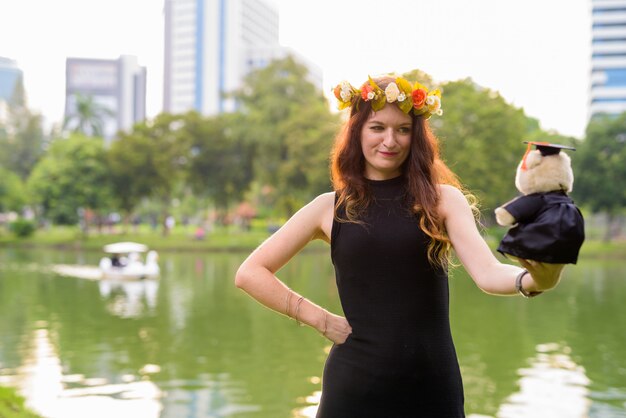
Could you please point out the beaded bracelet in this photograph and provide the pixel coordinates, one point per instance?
(288, 299)
(325, 322)
(297, 309)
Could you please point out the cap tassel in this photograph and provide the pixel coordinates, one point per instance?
(528, 149)
(530, 145)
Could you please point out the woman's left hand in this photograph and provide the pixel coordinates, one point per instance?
(545, 275)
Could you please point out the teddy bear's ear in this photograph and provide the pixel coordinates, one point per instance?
(533, 159)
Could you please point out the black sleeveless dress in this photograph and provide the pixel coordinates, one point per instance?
(399, 361)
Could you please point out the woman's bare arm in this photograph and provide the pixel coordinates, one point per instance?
(257, 274)
(490, 275)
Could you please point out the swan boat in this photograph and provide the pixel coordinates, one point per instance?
(124, 261)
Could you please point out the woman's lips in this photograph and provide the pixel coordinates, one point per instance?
(387, 154)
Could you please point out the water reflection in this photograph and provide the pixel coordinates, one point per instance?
(193, 345)
(211, 396)
(41, 380)
(553, 386)
(312, 402)
(129, 298)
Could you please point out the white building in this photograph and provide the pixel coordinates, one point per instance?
(608, 73)
(117, 85)
(211, 45)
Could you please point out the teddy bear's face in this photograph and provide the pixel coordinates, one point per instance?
(545, 173)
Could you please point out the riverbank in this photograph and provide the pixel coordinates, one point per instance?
(222, 239)
(12, 405)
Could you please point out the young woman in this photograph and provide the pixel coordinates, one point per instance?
(396, 212)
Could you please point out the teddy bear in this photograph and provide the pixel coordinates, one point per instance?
(546, 224)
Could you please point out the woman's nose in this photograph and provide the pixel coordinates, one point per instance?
(388, 138)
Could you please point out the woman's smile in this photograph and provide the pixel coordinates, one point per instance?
(385, 142)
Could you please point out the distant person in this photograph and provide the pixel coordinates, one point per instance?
(170, 222)
(395, 214)
(115, 260)
(199, 234)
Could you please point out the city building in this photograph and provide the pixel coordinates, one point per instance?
(10, 77)
(11, 80)
(211, 45)
(118, 86)
(608, 62)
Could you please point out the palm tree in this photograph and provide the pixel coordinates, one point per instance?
(89, 116)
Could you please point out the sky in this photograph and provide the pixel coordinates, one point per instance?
(535, 53)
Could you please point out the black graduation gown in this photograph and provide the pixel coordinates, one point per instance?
(550, 228)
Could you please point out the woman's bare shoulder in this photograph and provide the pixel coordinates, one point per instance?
(450, 192)
(451, 199)
(324, 207)
(326, 199)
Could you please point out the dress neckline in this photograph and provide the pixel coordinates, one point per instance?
(388, 189)
(394, 180)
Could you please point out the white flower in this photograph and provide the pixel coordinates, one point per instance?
(401, 97)
(391, 92)
(346, 91)
(371, 95)
(434, 103)
(439, 112)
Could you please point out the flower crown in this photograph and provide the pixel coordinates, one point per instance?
(408, 97)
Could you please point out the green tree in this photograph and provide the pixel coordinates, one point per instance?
(600, 169)
(221, 161)
(289, 124)
(72, 175)
(22, 139)
(88, 117)
(11, 191)
(149, 162)
(481, 137)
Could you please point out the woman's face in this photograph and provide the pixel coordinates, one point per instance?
(385, 142)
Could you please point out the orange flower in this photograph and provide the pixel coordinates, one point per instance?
(337, 92)
(419, 98)
(366, 89)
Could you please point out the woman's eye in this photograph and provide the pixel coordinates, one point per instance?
(376, 128)
(404, 130)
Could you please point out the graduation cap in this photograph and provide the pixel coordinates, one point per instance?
(545, 148)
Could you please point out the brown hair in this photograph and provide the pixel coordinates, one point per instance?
(423, 169)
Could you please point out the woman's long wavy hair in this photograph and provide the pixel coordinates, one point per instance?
(424, 171)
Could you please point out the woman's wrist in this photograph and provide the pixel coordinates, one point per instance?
(305, 312)
(526, 285)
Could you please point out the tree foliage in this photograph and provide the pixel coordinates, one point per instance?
(72, 175)
(149, 161)
(288, 122)
(221, 160)
(22, 140)
(482, 140)
(600, 166)
(11, 191)
(88, 117)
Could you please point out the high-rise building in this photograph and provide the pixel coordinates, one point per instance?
(211, 45)
(608, 72)
(11, 85)
(10, 78)
(116, 85)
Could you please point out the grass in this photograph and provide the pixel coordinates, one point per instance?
(227, 238)
(12, 405)
(181, 238)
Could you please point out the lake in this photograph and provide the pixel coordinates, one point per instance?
(192, 345)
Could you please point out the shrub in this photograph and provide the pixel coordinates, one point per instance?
(22, 228)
